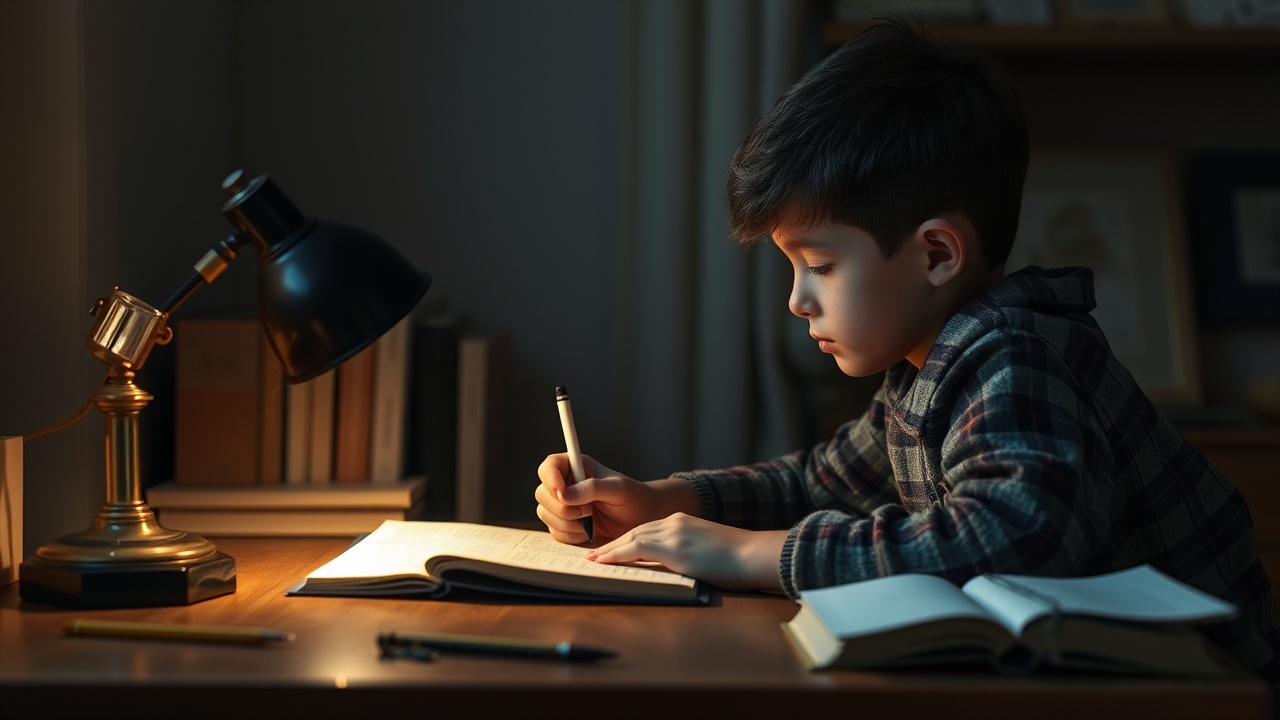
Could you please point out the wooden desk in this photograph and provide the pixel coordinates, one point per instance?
(726, 661)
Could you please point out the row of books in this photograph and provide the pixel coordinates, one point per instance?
(422, 402)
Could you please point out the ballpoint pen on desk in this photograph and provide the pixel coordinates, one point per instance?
(486, 645)
(391, 650)
(571, 443)
(174, 631)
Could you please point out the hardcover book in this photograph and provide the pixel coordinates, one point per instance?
(10, 508)
(443, 559)
(482, 378)
(334, 509)
(297, 433)
(353, 415)
(322, 409)
(390, 402)
(400, 495)
(433, 415)
(216, 404)
(1135, 621)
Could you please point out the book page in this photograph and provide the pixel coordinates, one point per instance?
(888, 603)
(539, 551)
(1137, 594)
(374, 556)
(1012, 606)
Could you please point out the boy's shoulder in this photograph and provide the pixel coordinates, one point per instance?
(1030, 333)
(1050, 304)
(1064, 291)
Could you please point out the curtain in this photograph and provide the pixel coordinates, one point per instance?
(702, 324)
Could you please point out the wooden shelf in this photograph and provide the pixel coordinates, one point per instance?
(1154, 41)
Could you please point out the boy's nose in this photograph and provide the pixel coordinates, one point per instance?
(801, 305)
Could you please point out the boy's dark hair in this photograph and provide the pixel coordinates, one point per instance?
(891, 129)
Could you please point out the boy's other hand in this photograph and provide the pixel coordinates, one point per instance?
(728, 557)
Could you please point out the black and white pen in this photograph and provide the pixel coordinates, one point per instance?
(390, 642)
(571, 444)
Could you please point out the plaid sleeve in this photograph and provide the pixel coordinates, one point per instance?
(991, 481)
(851, 473)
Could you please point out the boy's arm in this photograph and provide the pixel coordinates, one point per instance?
(850, 472)
(1007, 461)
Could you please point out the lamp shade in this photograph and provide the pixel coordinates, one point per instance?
(325, 290)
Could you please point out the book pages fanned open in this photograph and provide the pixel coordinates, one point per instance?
(1134, 621)
(438, 559)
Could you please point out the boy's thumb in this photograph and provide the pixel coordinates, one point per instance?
(578, 494)
(602, 489)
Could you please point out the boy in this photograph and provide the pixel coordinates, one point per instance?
(1005, 438)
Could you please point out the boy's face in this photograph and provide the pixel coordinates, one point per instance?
(865, 310)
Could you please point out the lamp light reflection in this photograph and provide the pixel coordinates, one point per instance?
(295, 280)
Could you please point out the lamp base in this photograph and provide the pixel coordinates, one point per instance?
(117, 585)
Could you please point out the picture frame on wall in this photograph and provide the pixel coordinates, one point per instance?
(1117, 212)
(1234, 210)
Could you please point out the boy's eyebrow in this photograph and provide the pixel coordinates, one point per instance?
(804, 242)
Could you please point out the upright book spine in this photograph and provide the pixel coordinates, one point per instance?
(297, 428)
(352, 417)
(482, 370)
(320, 442)
(390, 404)
(216, 405)
(11, 556)
(433, 417)
(271, 420)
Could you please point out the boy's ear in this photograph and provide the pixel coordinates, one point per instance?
(946, 249)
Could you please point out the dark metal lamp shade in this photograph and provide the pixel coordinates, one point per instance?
(325, 290)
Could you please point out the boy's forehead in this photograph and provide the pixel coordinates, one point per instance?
(805, 233)
(795, 225)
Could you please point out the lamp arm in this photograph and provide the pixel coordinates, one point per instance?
(208, 268)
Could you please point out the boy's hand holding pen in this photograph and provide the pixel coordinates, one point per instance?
(573, 484)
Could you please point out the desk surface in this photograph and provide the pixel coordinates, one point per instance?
(730, 660)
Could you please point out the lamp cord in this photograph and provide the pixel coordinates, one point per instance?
(59, 425)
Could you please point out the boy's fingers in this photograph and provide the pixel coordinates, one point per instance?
(552, 474)
(567, 530)
(622, 549)
(555, 505)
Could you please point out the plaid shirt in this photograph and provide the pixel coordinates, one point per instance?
(1022, 446)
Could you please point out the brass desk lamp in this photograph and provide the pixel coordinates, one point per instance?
(325, 292)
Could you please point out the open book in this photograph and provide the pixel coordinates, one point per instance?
(1135, 621)
(405, 558)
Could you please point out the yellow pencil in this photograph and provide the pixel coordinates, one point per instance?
(171, 631)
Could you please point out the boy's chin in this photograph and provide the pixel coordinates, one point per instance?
(857, 368)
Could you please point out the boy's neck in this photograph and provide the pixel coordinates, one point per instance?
(987, 281)
(971, 287)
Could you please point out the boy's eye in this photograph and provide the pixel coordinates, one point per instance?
(818, 269)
